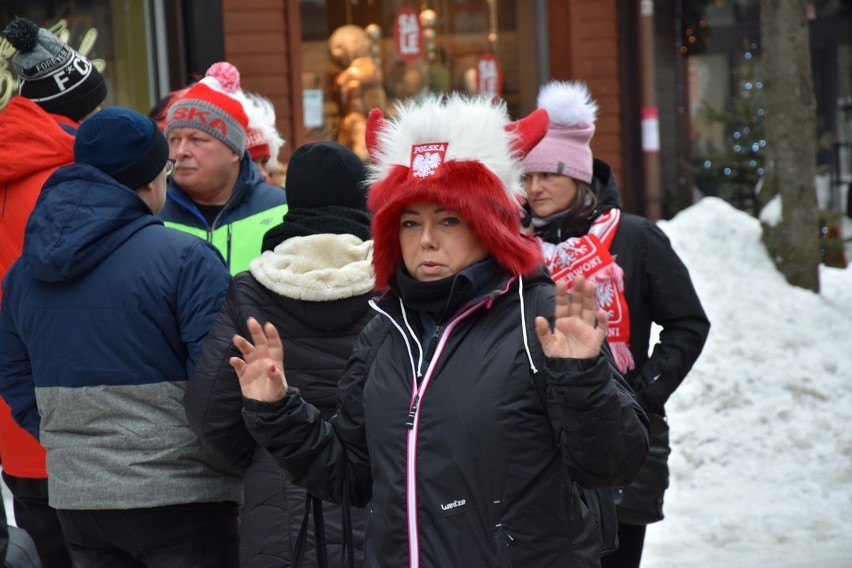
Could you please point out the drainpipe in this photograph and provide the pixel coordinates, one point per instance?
(649, 112)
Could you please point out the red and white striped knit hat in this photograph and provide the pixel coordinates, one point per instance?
(212, 107)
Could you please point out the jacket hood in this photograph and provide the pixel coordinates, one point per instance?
(81, 217)
(33, 140)
(605, 186)
(317, 268)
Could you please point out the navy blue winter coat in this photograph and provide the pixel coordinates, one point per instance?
(102, 320)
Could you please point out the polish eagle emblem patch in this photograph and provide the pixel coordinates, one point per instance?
(426, 159)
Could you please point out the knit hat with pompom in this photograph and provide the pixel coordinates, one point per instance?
(51, 74)
(565, 148)
(212, 107)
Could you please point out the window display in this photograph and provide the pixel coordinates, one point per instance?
(366, 54)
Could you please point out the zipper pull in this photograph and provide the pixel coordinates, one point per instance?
(409, 423)
(433, 343)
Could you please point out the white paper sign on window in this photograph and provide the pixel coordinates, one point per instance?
(312, 107)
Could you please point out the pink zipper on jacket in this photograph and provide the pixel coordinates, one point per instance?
(418, 392)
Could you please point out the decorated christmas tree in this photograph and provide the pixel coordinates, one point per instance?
(735, 165)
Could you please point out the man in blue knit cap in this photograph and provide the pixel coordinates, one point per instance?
(102, 319)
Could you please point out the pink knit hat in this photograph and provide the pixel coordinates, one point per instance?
(565, 148)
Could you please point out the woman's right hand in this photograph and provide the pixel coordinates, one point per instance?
(261, 370)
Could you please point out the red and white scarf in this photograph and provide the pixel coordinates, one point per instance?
(589, 255)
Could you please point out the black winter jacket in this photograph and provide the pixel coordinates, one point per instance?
(658, 290)
(461, 466)
(318, 332)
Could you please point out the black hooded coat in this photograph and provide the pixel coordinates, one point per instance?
(459, 462)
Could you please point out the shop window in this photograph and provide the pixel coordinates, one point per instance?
(726, 101)
(361, 55)
(830, 8)
(842, 148)
(731, 12)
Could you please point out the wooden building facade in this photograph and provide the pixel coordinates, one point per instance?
(281, 47)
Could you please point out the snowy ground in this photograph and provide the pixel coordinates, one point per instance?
(762, 427)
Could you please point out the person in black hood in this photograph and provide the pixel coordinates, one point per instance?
(312, 280)
(440, 425)
(574, 209)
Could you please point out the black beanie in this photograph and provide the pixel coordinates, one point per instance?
(51, 74)
(325, 173)
(326, 193)
(124, 144)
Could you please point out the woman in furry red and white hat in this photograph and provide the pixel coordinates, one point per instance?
(575, 210)
(441, 424)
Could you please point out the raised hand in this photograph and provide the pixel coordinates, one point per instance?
(580, 326)
(261, 370)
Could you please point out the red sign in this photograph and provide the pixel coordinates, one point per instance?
(406, 34)
(489, 75)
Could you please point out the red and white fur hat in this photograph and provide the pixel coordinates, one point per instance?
(462, 153)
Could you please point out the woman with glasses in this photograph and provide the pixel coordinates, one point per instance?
(574, 210)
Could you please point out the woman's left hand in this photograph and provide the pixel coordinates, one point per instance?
(261, 370)
(580, 326)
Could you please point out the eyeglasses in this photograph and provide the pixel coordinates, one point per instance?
(170, 166)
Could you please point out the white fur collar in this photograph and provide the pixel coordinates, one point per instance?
(317, 268)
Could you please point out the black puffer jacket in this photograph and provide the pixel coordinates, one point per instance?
(467, 470)
(315, 290)
(658, 290)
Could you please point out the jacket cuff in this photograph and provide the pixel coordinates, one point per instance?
(291, 399)
(567, 370)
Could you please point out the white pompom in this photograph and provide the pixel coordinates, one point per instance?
(568, 103)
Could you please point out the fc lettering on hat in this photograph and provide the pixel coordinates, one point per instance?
(68, 76)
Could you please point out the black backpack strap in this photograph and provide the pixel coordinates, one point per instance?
(319, 533)
(301, 538)
(348, 538)
(314, 503)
